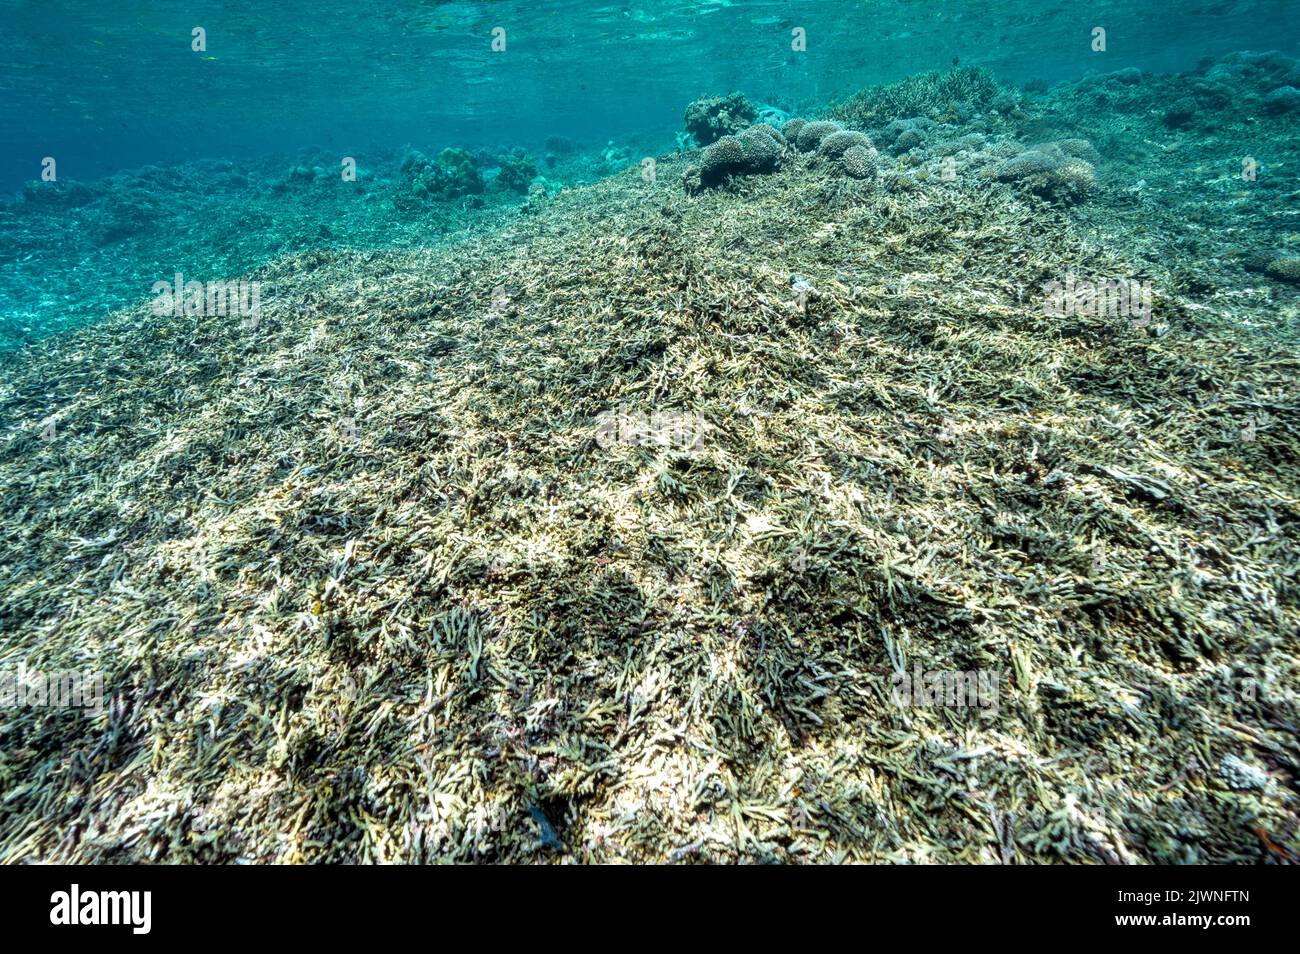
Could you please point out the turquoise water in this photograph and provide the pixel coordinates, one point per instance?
(112, 88)
(733, 430)
(110, 85)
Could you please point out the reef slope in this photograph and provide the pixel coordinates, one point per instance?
(377, 580)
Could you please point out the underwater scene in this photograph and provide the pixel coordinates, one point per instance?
(672, 431)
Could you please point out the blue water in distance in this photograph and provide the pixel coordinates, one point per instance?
(111, 84)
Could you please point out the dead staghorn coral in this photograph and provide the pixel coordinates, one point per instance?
(377, 580)
(370, 582)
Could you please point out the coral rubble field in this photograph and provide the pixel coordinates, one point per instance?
(421, 566)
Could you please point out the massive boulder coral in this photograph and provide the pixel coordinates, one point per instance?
(57, 194)
(791, 128)
(858, 162)
(1072, 148)
(725, 157)
(851, 152)
(1253, 82)
(811, 134)
(518, 170)
(837, 143)
(710, 118)
(453, 174)
(1246, 68)
(904, 135)
(1053, 170)
(1182, 112)
(760, 148)
(122, 216)
(1284, 269)
(756, 150)
(1284, 99)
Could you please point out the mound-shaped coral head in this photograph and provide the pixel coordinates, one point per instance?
(763, 146)
(1050, 171)
(811, 135)
(1284, 99)
(711, 117)
(837, 143)
(721, 159)
(1284, 269)
(756, 150)
(858, 162)
(791, 129)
